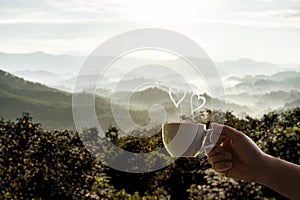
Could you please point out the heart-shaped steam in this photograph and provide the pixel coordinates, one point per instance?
(179, 93)
(199, 97)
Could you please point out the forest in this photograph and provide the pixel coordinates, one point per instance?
(57, 164)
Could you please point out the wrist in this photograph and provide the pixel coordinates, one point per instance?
(264, 170)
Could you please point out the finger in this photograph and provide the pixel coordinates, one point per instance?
(215, 150)
(216, 141)
(227, 145)
(228, 131)
(221, 157)
(216, 138)
(222, 166)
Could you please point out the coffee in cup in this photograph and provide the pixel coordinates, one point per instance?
(185, 139)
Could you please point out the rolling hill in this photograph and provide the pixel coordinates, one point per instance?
(260, 84)
(40, 76)
(51, 107)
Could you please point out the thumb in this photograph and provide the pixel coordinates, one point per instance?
(228, 132)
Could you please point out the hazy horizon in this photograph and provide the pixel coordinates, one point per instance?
(144, 56)
(264, 30)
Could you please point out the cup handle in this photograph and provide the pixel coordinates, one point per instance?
(210, 146)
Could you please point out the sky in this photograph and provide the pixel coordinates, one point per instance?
(264, 30)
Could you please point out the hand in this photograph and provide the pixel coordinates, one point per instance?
(236, 155)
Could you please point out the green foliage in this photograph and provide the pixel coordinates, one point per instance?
(47, 165)
(57, 165)
(220, 187)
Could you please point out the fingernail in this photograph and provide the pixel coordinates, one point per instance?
(228, 165)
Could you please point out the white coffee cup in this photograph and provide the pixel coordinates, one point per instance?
(185, 139)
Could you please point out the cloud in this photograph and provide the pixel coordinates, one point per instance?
(58, 26)
(20, 4)
(77, 5)
(282, 14)
(54, 11)
(293, 14)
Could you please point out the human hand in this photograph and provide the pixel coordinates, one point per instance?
(236, 155)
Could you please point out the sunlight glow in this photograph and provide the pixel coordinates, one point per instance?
(170, 11)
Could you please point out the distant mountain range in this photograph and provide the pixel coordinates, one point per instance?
(263, 93)
(261, 84)
(41, 76)
(61, 70)
(246, 66)
(251, 87)
(49, 106)
(53, 107)
(36, 61)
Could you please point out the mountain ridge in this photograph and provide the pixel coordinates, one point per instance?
(50, 106)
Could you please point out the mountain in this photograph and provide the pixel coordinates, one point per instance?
(59, 64)
(28, 65)
(150, 96)
(272, 99)
(51, 107)
(285, 75)
(40, 76)
(260, 84)
(156, 96)
(246, 66)
(250, 86)
(47, 105)
(87, 83)
(263, 93)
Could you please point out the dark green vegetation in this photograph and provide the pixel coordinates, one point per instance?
(47, 105)
(56, 164)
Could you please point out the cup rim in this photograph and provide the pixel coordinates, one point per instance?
(184, 123)
(201, 126)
